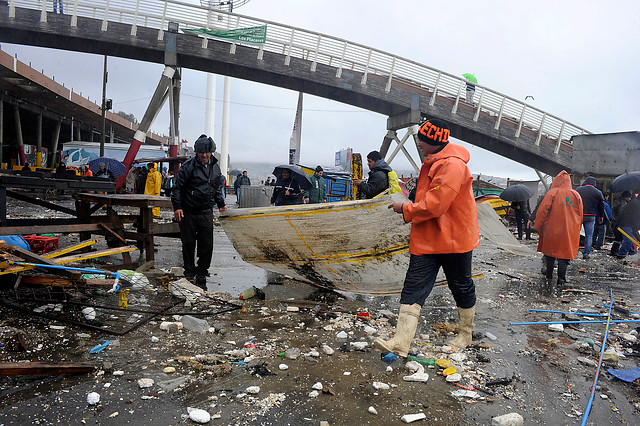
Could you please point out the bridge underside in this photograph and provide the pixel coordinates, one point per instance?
(243, 62)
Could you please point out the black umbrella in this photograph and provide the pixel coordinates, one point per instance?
(626, 182)
(296, 173)
(235, 172)
(116, 167)
(516, 193)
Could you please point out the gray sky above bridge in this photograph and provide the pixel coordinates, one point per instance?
(580, 60)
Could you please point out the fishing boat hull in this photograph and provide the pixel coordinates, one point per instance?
(355, 246)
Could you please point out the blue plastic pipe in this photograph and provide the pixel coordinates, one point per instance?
(572, 313)
(572, 322)
(595, 381)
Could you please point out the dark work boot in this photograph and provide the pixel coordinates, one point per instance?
(562, 272)
(548, 267)
(201, 281)
(615, 247)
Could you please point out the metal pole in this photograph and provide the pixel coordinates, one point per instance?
(104, 101)
(572, 313)
(572, 322)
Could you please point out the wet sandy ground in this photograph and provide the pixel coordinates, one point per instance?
(548, 384)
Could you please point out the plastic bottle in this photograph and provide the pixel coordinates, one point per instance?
(248, 293)
(422, 360)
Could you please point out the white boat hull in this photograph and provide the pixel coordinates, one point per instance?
(355, 246)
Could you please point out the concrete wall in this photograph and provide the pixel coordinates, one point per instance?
(606, 154)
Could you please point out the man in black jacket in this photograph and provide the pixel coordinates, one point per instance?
(198, 187)
(378, 180)
(593, 209)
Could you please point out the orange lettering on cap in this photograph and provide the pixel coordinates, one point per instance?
(430, 134)
(446, 135)
(438, 135)
(424, 127)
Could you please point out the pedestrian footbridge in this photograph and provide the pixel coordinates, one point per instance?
(284, 56)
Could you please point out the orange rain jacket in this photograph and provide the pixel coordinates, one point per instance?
(559, 219)
(443, 218)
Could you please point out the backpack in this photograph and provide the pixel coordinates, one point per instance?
(394, 186)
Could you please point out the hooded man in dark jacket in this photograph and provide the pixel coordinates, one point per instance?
(378, 180)
(197, 189)
(592, 208)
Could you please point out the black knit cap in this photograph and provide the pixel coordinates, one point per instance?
(204, 144)
(434, 132)
(319, 169)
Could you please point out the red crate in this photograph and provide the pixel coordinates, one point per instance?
(40, 245)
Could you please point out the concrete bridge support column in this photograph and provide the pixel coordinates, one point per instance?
(54, 144)
(1, 126)
(174, 118)
(19, 136)
(39, 142)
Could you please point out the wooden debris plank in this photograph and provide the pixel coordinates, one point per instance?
(63, 282)
(75, 258)
(39, 368)
(30, 257)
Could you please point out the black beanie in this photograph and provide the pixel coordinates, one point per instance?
(204, 144)
(319, 169)
(434, 132)
(374, 155)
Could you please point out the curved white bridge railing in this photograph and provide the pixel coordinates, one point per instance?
(316, 48)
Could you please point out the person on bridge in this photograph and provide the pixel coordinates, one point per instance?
(56, 4)
(444, 232)
(378, 176)
(593, 205)
(153, 186)
(197, 189)
(558, 221)
(318, 192)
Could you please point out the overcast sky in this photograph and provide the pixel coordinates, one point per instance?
(580, 60)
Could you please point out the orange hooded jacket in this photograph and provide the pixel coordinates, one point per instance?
(443, 218)
(559, 219)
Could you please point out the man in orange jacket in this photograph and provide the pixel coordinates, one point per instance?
(558, 222)
(444, 232)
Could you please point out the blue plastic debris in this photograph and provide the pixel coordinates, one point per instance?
(390, 357)
(626, 375)
(99, 348)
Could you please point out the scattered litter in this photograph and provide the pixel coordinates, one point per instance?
(626, 375)
(195, 324)
(145, 383)
(93, 398)
(510, 419)
(381, 386)
(292, 353)
(342, 335)
(358, 346)
(169, 370)
(283, 367)
(199, 416)
(555, 327)
(317, 386)
(463, 393)
(373, 411)
(99, 348)
(252, 390)
(409, 418)
(490, 336)
(455, 377)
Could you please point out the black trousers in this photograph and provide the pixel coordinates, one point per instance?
(196, 230)
(422, 272)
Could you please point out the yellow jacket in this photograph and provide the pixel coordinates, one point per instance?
(154, 181)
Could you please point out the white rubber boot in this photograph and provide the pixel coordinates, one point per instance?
(465, 328)
(400, 343)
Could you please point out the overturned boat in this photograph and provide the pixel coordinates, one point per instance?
(355, 246)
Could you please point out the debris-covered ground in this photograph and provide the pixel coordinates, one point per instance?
(305, 356)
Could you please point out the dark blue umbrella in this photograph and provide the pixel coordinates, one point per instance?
(516, 193)
(626, 182)
(117, 168)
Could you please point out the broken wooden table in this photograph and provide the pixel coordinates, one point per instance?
(147, 228)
